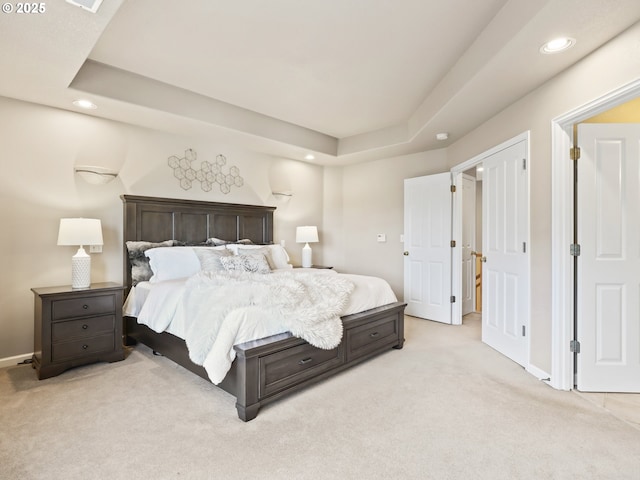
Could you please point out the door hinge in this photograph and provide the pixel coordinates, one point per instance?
(524, 247)
(574, 346)
(524, 330)
(453, 299)
(453, 243)
(453, 189)
(574, 249)
(574, 153)
(524, 163)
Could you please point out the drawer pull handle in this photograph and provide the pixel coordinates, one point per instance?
(305, 360)
(85, 306)
(374, 334)
(84, 347)
(85, 326)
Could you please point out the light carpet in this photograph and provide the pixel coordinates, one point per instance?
(444, 407)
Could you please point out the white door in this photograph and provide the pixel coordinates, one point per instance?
(468, 244)
(505, 274)
(427, 245)
(608, 293)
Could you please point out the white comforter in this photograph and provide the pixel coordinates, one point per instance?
(212, 314)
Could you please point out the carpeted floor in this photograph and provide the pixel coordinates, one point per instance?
(444, 407)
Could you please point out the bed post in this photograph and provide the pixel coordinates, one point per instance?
(247, 403)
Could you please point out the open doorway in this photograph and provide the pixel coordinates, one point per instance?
(433, 263)
(607, 186)
(504, 221)
(563, 269)
(471, 239)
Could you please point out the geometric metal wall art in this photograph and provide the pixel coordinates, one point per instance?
(208, 174)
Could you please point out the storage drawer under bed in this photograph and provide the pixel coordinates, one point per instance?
(294, 365)
(371, 337)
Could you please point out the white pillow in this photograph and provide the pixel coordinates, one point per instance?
(169, 263)
(276, 255)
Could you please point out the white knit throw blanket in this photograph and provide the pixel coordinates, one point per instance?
(308, 305)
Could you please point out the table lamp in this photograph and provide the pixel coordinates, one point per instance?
(80, 231)
(306, 235)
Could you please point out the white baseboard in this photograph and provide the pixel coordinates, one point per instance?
(538, 373)
(12, 361)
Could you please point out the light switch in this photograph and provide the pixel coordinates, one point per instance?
(381, 237)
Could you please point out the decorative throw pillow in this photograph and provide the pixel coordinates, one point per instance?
(140, 269)
(210, 258)
(246, 263)
(276, 255)
(258, 251)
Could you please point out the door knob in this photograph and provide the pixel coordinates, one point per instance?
(473, 254)
(483, 259)
(406, 254)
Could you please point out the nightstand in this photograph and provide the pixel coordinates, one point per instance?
(74, 327)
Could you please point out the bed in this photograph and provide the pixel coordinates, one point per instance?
(265, 369)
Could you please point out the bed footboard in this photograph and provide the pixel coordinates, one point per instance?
(270, 368)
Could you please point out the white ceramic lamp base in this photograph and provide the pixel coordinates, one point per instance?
(80, 269)
(306, 256)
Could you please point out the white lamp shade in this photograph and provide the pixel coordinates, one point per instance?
(80, 231)
(306, 234)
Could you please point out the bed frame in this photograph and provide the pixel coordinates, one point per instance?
(267, 369)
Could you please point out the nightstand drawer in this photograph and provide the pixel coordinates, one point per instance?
(85, 327)
(82, 347)
(83, 307)
(295, 365)
(371, 337)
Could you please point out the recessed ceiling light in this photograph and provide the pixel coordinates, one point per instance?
(442, 136)
(88, 104)
(90, 5)
(557, 45)
(309, 157)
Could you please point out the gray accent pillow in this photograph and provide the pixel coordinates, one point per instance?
(140, 269)
(246, 263)
(210, 258)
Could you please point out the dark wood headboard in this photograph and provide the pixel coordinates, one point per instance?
(157, 219)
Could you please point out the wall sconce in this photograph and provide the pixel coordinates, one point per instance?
(306, 235)
(95, 175)
(283, 196)
(81, 232)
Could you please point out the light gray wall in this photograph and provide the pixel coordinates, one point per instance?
(372, 203)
